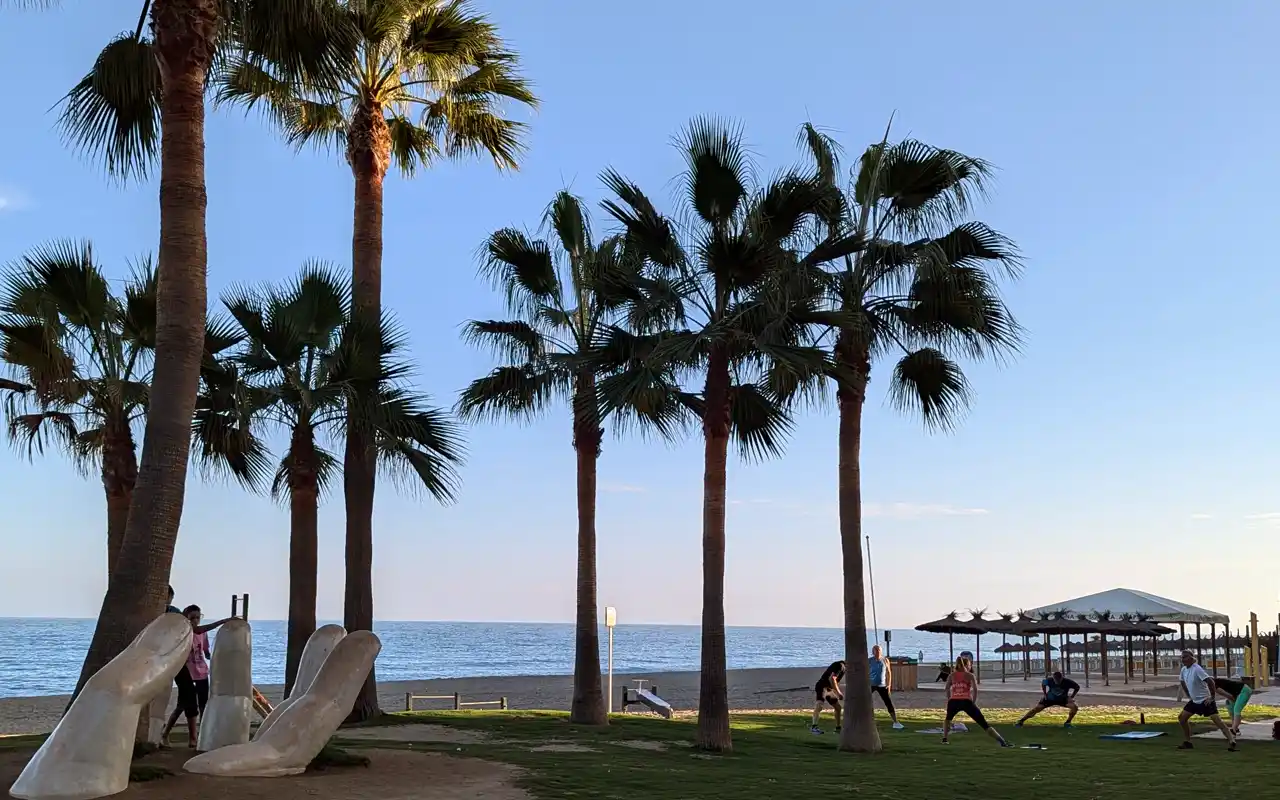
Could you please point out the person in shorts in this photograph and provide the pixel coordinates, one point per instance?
(1059, 692)
(1200, 689)
(1237, 694)
(192, 679)
(827, 692)
(881, 683)
(962, 698)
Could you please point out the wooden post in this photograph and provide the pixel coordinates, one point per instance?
(1102, 648)
(235, 605)
(1199, 649)
(245, 607)
(503, 705)
(408, 701)
(457, 701)
(1226, 651)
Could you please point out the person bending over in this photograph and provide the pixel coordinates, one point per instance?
(1058, 692)
(1200, 689)
(881, 681)
(1237, 694)
(962, 698)
(827, 692)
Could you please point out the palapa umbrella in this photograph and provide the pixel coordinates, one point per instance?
(951, 624)
(1058, 622)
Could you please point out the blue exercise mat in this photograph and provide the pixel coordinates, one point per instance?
(1132, 735)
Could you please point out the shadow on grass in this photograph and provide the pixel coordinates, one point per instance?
(776, 755)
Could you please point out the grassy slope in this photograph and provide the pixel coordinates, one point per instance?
(775, 756)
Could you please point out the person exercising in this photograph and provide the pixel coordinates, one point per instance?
(1058, 692)
(881, 683)
(962, 698)
(827, 692)
(1199, 689)
(1237, 694)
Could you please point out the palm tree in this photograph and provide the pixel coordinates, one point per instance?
(729, 266)
(300, 362)
(82, 357)
(562, 294)
(142, 99)
(399, 81)
(921, 288)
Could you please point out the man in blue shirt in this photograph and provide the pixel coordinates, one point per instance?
(881, 681)
(1058, 691)
(172, 609)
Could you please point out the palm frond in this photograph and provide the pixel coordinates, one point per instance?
(718, 169)
(926, 381)
(32, 432)
(515, 392)
(522, 268)
(420, 447)
(759, 423)
(515, 341)
(113, 113)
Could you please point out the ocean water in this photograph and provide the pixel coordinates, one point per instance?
(43, 656)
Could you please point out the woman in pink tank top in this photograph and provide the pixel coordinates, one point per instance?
(962, 698)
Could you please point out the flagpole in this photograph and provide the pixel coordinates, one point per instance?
(870, 574)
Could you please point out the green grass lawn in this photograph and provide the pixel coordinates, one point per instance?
(775, 756)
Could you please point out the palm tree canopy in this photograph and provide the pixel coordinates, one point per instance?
(561, 293)
(300, 361)
(429, 78)
(923, 286)
(80, 356)
(112, 114)
(722, 271)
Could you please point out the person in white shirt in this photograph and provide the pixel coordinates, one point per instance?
(1200, 689)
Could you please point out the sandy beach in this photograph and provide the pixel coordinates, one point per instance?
(749, 689)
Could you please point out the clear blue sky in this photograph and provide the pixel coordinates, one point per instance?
(1133, 444)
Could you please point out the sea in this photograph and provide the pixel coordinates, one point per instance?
(43, 656)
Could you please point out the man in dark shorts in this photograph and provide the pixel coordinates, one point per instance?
(1059, 692)
(827, 692)
(1199, 688)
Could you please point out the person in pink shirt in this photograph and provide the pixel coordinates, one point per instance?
(193, 678)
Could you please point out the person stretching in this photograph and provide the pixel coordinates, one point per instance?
(1058, 691)
(962, 697)
(827, 691)
(1200, 689)
(1237, 694)
(881, 681)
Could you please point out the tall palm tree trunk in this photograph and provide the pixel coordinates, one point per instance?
(859, 734)
(368, 153)
(184, 37)
(588, 706)
(119, 476)
(713, 684)
(303, 546)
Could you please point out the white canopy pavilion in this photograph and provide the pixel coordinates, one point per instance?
(1150, 607)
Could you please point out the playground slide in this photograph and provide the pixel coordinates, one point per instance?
(656, 704)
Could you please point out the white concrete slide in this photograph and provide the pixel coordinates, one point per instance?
(319, 646)
(302, 730)
(89, 752)
(226, 719)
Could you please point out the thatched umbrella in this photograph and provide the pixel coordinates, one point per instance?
(1057, 622)
(1005, 626)
(951, 624)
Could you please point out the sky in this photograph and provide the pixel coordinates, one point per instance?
(1132, 443)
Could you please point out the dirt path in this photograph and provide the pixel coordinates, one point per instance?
(391, 775)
